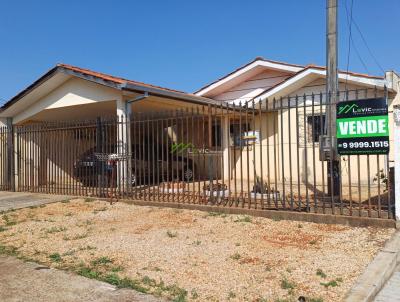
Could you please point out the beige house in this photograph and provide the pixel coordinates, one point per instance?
(276, 108)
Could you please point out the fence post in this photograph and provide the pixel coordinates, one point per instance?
(10, 154)
(396, 157)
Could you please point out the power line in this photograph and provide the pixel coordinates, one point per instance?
(352, 41)
(366, 44)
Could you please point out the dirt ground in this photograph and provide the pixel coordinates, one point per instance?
(191, 255)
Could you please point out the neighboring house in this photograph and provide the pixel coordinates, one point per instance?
(262, 80)
(68, 93)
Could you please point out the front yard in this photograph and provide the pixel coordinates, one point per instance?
(188, 255)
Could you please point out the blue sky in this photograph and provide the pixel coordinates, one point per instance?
(184, 44)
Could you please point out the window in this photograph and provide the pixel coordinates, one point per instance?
(236, 132)
(216, 135)
(316, 123)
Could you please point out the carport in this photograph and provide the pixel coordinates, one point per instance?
(46, 117)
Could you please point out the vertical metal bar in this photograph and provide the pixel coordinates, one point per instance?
(305, 152)
(283, 197)
(298, 155)
(261, 153)
(313, 151)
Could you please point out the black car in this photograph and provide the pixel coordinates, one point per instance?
(149, 164)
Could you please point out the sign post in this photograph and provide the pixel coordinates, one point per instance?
(396, 153)
(362, 127)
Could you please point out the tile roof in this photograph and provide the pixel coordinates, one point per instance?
(287, 64)
(111, 78)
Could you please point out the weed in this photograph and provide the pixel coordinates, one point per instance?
(285, 284)
(245, 218)
(332, 283)
(69, 214)
(313, 242)
(236, 256)
(300, 226)
(197, 242)
(237, 244)
(65, 201)
(80, 236)
(231, 295)
(315, 300)
(56, 257)
(88, 273)
(194, 295)
(215, 214)
(95, 211)
(321, 273)
(89, 199)
(101, 261)
(55, 230)
(69, 253)
(117, 269)
(172, 234)
(8, 250)
(2, 229)
(8, 221)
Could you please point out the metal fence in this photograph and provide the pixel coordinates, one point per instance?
(258, 155)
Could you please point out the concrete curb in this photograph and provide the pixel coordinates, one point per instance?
(354, 221)
(377, 272)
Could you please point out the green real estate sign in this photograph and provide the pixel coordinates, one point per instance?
(362, 127)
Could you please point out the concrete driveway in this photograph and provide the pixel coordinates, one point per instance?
(26, 281)
(18, 200)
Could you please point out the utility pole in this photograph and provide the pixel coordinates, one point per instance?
(332, 94)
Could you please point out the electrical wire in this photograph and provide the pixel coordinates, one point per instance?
(352, 42)
(350, 38)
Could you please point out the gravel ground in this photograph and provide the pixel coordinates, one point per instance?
(213, 257)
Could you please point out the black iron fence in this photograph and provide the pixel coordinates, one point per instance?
(258, 155)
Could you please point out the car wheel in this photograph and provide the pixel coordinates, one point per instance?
(188, 174)
(133, 179)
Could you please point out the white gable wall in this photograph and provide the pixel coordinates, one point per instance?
(73, 92)
(250, 88)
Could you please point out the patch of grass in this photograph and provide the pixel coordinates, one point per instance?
(231, 295)
(80, 236)
(315, 300)
(300, 226)
(69, 253)
(321, 273)
(236, 256)
(172, 234)
(65, 201)
(244, 218)
(8, 221)
(88, 273)
(193, 294)
(69, 214)
(117, 269)
(332, 283)
(56, 230)
(285, 284)
(95, 211)
(101, 261)
(8, 250)
(2, 229)
(216, 214)
(88, 247)
(197, 242)
(313, 242)
(56, 257)
(88, 199)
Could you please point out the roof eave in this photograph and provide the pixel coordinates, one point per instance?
(168, 94)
